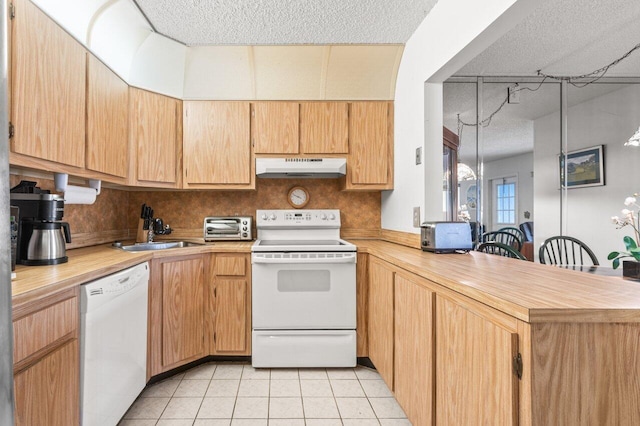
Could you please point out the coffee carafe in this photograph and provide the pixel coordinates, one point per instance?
(42, 237)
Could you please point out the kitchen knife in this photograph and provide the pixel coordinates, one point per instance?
(144, 210)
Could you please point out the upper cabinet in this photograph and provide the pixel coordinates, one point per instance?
(48, 89)
(275, 127)
(370, 159)
(156, 139)
(107, 120)
(324, 128)
(217, 145)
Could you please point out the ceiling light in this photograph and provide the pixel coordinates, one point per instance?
(465, 173)
(634, 140)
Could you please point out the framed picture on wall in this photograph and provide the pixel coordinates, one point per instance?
(584, 167)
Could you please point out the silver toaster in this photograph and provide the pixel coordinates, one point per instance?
(220, 228)
(446, 237)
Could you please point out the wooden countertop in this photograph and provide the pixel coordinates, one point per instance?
(529, 291)
(89, 263)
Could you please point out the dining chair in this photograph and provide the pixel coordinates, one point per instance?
(503, 237)
(515, 231)
(500, 249)
(562, 250)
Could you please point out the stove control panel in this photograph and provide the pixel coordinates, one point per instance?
(293, 218)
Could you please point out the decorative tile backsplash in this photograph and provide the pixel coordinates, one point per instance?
(119, 210)
(187, 209)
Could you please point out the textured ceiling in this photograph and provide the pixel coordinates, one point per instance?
(561, 37)
(258, 22)
(567, 37)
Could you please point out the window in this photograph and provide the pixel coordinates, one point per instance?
(504, 211)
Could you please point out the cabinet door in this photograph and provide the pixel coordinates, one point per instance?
(370, 149)
(324, 128)
(414, 348)
(107, 120)
(155, 138)
(47, 393)
(217, 146)
(275, 127)
(362, 297)
(182, 311)
(230, 315)
(48, 89)
(381, 319)
(476, 384)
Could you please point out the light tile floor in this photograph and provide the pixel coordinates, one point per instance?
(236, 394)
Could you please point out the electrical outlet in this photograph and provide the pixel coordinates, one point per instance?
(416, 217)
(418, 155)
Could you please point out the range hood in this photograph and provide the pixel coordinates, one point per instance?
(301, 167)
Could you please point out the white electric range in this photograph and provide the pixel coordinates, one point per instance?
(303, 291)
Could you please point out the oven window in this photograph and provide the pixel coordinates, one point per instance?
(304, 281)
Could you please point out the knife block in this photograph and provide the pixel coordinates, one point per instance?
(141, 235)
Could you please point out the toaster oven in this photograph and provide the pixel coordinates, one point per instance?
(230, 228)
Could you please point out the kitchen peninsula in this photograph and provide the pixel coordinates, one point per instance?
(477, 339)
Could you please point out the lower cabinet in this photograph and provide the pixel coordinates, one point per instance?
(47, 393)
(448, 359)
(476, 384)
(381, 318)
(413, 347)
(231, 305)
(47, 360)
(176, 312)
(199, 305)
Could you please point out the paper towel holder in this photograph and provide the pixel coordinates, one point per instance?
(62, 183)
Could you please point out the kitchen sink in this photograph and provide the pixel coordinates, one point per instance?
(160, 245)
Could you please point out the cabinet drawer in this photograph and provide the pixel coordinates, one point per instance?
(40, 329)
(233, 265)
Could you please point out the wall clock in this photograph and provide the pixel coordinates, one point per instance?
(298, 197)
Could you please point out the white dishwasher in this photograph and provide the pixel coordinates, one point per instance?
(113, 344)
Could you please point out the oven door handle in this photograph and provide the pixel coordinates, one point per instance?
(303, 258)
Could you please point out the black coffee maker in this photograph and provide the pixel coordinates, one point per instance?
(41, 234)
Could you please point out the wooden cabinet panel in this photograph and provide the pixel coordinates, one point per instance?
(324, 128)
(370, 160)
(381, 319)
(107, 120)
(48, 89)
(217, 146)
(48, 392)
(476, 384)
(182, 311)
(36, 331)
(275, 127)
(230, 304)
(230, 315)
(155, 137)
(362, 298)
(581, 375)
(414, 349)
(230, 264)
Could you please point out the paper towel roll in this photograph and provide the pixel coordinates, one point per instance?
(79, 195)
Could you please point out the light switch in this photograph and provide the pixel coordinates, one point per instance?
(418, 155)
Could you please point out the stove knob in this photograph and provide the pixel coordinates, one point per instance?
(332, 216)
(323, 216)
(273, 217)
(244, 234)
(244, 228)
(264, 216)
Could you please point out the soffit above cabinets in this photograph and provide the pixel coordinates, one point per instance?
(119, 34)
(262, 22)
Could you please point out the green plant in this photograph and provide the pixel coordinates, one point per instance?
(629, 218)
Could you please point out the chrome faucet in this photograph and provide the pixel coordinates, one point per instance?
(150, 234)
